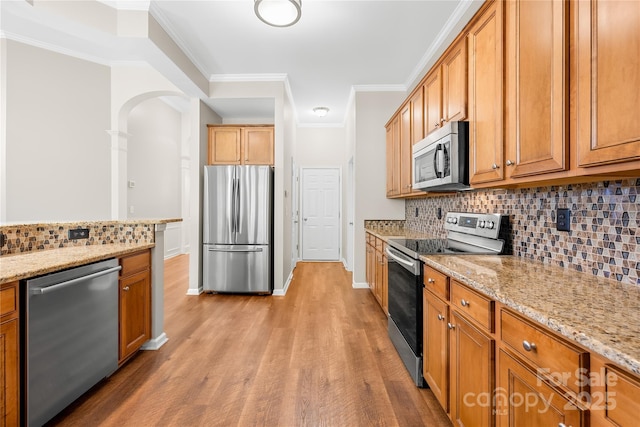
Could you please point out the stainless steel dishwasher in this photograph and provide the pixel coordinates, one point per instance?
(71, 337)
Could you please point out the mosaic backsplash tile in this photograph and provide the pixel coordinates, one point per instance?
(37, 237)
(384, 224)
(605, 218)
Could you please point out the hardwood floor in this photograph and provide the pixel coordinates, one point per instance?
(319, 356)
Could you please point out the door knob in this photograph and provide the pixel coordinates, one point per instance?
(306, 219)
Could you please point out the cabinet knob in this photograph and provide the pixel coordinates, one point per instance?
(437, 124)
(440, 317)
(126, 288)
(465, 303)
(430, 280)
(529, 346)
(450, 326)
(562, 425)
(495, 166)
(509, 163)
(442, 120)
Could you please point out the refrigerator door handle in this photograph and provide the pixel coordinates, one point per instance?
(235, 250)
(234, 191)
(237, 202)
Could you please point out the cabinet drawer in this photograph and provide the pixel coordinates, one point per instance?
(549, 354)
(622, 391)
(436, 282)
(134, 263)
(9, 299)
(473, 305)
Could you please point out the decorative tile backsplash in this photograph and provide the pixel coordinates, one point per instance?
(37, 237)
(384, 224)
(605, 218)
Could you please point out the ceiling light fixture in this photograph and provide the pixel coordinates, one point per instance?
(278, 13)
(321, 111)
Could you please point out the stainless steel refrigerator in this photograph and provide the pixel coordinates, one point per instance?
(238, 229)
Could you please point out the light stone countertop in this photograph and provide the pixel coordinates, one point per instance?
(141, 221)
(396, 233)
(600, 314)
(32, 264)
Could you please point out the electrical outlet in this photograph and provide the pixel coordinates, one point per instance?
(439, 213)
(3, 239)
(563, 219)
(416, 212)
(79, 233)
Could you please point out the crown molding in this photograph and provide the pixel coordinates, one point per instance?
(434, 47)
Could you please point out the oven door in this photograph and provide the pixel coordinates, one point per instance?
(405, 298)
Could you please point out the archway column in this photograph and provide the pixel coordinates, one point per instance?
(119, 141)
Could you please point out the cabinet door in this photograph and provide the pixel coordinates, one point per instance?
(454, 83)
(135, 312)
(435, 339)
(608, 81)
(524, 400)
(393, 157)
(379, 276)
(10, 367)
(224, 146)
(537, 87)
(472, 362)
(385, 281)
(417, 115)
(257, 145)
(485, 43)
(406, 177)
(433, 102)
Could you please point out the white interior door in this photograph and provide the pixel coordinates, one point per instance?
(321, 214)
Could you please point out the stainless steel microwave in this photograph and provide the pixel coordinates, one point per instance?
(441, 160)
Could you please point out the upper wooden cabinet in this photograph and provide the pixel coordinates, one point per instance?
(393, 157)
(417, 115)
(406, 167)
(607, 51)
(454, 83)
(241, 145)
(433, 101)
(485, 42)
(536, 115)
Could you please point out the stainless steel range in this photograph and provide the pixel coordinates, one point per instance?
(467, 234)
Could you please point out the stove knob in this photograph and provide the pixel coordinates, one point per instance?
(490, 225)
(481, 224)
(454, 220)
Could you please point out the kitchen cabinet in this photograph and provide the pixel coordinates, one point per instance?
(454, 83)
(134, 303)
(537, 87)
(435, 344)
(432, 101)
(472, 362)
(417, 116)
(526, 400)
(376, 270)
(607, 52)
(241, 145)
(393, 156)
(9, 355)
(406, 160)
(614, 395)
(485, 43)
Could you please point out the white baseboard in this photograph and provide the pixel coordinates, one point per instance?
(360, 285)
(344, 263)
(195, 292)
(155, 343)
(282, 292)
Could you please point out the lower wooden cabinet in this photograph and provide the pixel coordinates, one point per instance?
(134, 303)
(376, 270)
(435, 342)
(472, 358)
(524, 399)
(9, 355)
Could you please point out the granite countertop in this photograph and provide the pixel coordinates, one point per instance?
(600, 314)
(31, 264)
(398, 233)
(83, 223)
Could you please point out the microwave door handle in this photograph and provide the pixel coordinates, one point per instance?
(437, 157)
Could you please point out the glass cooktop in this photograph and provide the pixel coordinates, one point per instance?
(417, 247)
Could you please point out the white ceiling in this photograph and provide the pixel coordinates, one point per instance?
(336, 46)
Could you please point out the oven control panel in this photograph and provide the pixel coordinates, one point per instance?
(485, 225)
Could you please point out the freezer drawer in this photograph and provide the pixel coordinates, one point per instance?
(237, 268)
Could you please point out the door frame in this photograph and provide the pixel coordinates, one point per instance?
(340, 216)
(295, 215)
(350, 208)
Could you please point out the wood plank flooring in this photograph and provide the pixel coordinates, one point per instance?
(319, 356)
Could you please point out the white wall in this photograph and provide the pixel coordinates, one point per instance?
(372, 111)
(154, 161)
(57, 150)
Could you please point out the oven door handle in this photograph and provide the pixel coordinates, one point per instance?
(400, 260)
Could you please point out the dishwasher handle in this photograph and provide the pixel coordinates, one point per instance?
(57, 286)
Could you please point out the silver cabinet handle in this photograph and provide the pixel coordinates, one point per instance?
(442, 120)
(450, 326)
(562, 425)
(437, 125)
(495, 166)
(465, 303)
(529, 346)
(509, 163)
(440, 317)
(126, 288)
(430, 280)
